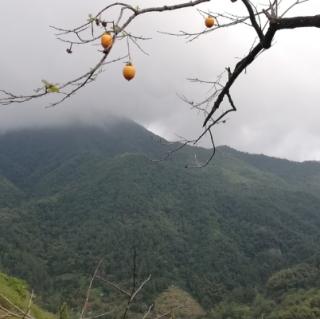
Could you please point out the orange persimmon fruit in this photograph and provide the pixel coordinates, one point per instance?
(129, 71)
(209, 21)
(106, 40)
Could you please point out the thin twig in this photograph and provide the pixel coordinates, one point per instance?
(89, 290)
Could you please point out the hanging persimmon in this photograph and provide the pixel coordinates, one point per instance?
(209, 21)
(129, 71)
(106, 40)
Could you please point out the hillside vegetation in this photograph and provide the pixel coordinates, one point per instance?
(72, 195)
(15, 299)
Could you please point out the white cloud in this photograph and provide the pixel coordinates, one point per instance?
(277, 99)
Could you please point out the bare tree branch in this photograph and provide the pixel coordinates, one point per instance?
(110, 283)
(84, 308)
(276, 24)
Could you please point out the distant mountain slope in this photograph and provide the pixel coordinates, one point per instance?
(10, 195)
(306, 174)
(94, 192)
(28, 155)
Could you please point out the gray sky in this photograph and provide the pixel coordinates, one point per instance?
(278, 98)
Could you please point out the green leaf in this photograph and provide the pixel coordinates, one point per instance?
(53, 89)
(50, 88)
(90, 18)
(45, 82)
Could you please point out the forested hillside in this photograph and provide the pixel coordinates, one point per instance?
(243, 230)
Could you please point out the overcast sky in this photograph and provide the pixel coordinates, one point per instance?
(278, 98)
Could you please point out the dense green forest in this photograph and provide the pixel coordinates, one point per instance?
(241, 236)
